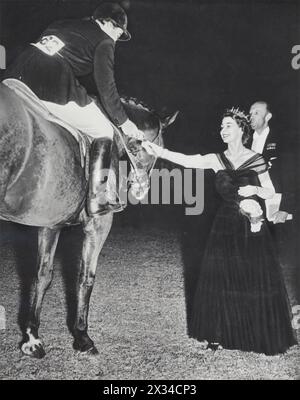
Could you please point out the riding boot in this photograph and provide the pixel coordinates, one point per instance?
(98, 202)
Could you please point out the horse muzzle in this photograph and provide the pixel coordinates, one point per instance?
(139, 184)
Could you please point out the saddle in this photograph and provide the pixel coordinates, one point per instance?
(34, 104)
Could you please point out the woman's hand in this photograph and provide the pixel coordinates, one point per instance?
(280, 217)
(153, 149)
(247, 191)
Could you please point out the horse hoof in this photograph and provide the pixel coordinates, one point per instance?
(87, 348)
(92, 351)
(34, 350)
(214, 346)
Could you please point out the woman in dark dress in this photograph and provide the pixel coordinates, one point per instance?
(241, 300)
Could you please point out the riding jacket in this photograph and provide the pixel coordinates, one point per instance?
(66, 51)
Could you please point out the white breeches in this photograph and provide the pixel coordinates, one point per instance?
(88, 119)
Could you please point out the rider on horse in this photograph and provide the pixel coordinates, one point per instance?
(65, 51)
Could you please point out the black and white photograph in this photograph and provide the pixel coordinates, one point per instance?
(149, 192)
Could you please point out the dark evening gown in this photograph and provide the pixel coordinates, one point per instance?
(241, 300)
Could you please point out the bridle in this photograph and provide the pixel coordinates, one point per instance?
(157, 138)
(134, 155)
(137, 177)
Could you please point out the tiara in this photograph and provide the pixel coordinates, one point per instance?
(239, 113)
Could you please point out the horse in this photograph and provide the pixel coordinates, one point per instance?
(43, 184)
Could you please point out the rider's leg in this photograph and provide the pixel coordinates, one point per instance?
(90, 120)
(99, 202)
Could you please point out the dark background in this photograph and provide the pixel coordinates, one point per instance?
(195, 56)
(198, 57)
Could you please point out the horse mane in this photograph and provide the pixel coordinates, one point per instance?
(142, 115)
(133, 101)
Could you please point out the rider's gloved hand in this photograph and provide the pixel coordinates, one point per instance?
(131, 130)
(153, 149)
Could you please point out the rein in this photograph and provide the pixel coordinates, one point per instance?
(153, 141)
(131, 158)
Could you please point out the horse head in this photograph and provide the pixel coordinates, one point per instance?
(152, 125)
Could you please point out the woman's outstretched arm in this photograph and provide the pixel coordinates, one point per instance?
(208, 161)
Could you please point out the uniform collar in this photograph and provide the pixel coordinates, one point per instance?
(262, 135)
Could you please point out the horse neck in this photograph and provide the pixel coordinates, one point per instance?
(145, 119)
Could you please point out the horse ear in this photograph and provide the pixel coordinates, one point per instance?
(169, 119)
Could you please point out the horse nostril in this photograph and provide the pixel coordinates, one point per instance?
(143, 156)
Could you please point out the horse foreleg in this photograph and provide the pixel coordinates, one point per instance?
(47, 241)
(95, 233)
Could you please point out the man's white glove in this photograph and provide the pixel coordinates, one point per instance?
(131, 130)
(153, 149)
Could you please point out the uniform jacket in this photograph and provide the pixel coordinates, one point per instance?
(281, 168)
